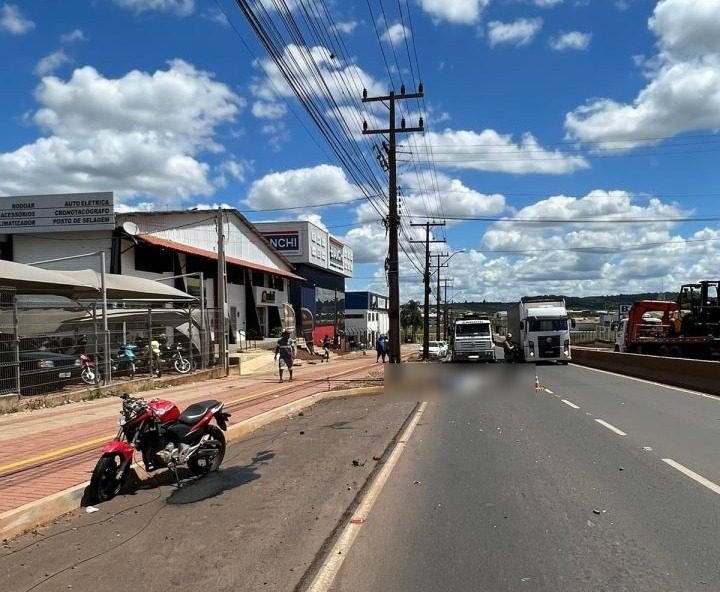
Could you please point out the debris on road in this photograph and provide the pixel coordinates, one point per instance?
(357, 463)
(647, 448)
(416, 482)
(596, 511)
(91, 509)
(377, 457)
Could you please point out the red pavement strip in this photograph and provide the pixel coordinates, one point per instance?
(37, 493)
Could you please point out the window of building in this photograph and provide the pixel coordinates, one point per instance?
(153, 259)
(354, 316)
(258, 279)
(277, 283)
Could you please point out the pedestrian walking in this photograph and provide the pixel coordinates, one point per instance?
(380, 349)
(155, 358)
(285, 354)
(326, 349)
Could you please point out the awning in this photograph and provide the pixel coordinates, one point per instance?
(188, 250)
(126, 287)
(26, 279)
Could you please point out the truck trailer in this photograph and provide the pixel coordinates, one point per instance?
(539, 328)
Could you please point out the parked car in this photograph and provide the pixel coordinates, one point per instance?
(40, 371)
(437, 349)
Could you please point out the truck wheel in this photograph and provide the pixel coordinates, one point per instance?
(617, 348)
(664, 351)
(676, 352)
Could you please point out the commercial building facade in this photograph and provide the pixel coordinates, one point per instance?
(366, 316)
(157, 245)
(324, 263)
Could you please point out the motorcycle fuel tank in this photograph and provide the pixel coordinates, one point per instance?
(165, 410)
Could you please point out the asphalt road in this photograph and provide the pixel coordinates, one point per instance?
(256, 525)
(513, 490)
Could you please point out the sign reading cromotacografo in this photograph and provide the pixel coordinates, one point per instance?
(59, 212)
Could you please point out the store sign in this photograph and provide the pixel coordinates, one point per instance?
(266, 297)
(335, 255)
(284, 241)
(51, 213)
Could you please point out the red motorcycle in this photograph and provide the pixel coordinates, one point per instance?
(165, 437)
(89, 373)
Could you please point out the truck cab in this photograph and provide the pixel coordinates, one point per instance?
(472, 340)
(542, 330)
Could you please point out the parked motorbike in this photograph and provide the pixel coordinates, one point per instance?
(125, 360)
(89, 372)
(165, 438)
(175, 358)
(511, 351)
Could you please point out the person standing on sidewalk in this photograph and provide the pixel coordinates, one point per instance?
(155, 358)
(285, 351)
(380, 349)
(326, 349)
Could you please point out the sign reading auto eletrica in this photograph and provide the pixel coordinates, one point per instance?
(48, 213)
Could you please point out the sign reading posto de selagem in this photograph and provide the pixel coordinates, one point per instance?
(52, 213)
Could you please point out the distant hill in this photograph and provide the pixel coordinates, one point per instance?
(591, 303)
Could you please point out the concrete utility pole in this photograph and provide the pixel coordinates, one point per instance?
(438, 299)
(393, 219)
(222, 290)
(445, 282)
(426, 281)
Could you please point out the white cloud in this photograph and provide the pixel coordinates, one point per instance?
(368, 243)
(466, 12)
(315, 219)
(573, 40)
(547, 3)
(73, 36)
(346, 27)
(178, 7)
(140, 134)
(236, 169)
(683, 93)
(490, 151)
(519, 32)
(396, 33)
(216, 15)
(340, 78)
(13, 21)
(51, 62)
(269, 109)
(297, 187)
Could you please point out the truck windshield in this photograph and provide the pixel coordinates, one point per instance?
(472, 329)
(547, 325)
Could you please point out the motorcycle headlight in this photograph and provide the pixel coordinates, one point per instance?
(46, 364)
(78, 362)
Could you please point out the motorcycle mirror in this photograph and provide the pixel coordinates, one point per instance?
(125, 396)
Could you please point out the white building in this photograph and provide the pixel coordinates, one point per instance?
(155, 245)
(366, 317)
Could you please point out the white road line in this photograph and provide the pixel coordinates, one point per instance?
(667, 386)
(693, 475)
(331, 566)
(570, 403)
(611, 427)
(547, 390)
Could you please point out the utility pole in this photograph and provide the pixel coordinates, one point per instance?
(426, 281)
(393, 219)
(447, 311)
(438, 299)
(222, 290)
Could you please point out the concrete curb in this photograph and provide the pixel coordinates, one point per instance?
(40, 512)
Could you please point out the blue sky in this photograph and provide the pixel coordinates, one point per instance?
(570, 110)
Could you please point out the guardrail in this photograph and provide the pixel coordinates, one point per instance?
(698, 375)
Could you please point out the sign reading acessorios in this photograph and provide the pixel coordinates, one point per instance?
(52, 213)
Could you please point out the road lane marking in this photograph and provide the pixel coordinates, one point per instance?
(667, 386)
(547, 390)
(611, 427)
(335, 558)
(693, 475)
(570, 403)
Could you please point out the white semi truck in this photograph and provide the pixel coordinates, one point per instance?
(540, 330)
(471, 339)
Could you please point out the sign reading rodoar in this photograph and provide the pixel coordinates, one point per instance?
(49, 213)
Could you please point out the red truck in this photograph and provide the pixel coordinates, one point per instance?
(656, 327)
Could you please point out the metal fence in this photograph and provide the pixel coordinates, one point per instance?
(602, 335)
(46, 347)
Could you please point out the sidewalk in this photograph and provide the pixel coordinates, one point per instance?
(46, 451)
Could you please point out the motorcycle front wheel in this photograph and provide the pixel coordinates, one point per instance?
(108, 478)
(182, 365)
(203, 462)
(90, 376)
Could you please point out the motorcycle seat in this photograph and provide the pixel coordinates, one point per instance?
(196, 411)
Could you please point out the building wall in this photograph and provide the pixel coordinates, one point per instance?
(28, 248)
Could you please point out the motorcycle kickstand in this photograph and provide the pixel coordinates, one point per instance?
(173, 468)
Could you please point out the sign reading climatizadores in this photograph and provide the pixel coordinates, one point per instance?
(64, 212)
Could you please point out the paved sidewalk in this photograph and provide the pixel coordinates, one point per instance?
(45, 451)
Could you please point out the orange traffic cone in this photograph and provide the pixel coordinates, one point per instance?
(538, 387)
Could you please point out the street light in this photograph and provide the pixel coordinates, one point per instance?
(437, 269)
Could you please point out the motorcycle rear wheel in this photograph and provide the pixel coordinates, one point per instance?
(201, 466)
(182, 365)
(107, 480)
(90, 376)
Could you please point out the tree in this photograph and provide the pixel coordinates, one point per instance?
(411, 317)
